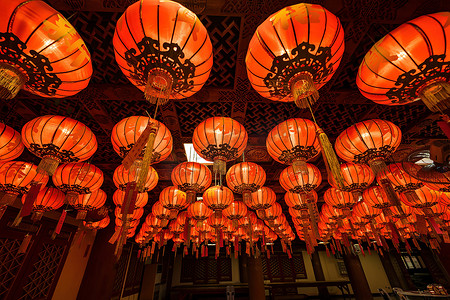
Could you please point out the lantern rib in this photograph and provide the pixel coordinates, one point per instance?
(250, 51)
(65, 57)
(443, 31)
(201, 46)
(203, 62)
(140, 18)
(73, 70)
(129, 30)
(376, 87)
(174, 26)
(38, 26)
(307, 16)
(281, 43)
(381, 54)
(325, 30)
(423, 35)
(404, 50)
(157, 30)
(264, 45)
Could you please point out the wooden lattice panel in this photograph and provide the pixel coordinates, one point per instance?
(10, 263)
(120, 274)
(206, 269)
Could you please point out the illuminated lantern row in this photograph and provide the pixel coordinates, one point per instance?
(40, 52)
(87, 202)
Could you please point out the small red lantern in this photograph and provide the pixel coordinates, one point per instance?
(11, 145)
(87, 202)
(235, 211)
(271, 213)
(103, 223)
(365, 211)
(162, 213)
(199, 211)
(122, 177)
(300, 201)
(425, 199)
(220, 139)
(376, 197)
(218, 198)
(119, 197)
(245, 178)
(357, 177)
(47, 199)
(339, 199)
(261, 199)
(58, 139)
(191, 178)
(173, 199)
(136, 215)
(300, 182)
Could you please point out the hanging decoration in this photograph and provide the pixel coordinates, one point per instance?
(191, 178)
(11, 145)
(87, 202)
(245, 178)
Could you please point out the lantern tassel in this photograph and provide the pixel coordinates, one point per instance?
(11, 81)
(81, 214)
(436, 96)
(299, 166)
(377, 166)
(220, 166)
(304, 91)
(330, 158)
(48, 165)
(146, 161)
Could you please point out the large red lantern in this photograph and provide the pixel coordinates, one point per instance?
(16, 178)
(409, 63)
(163, 49)
(11, 145)
(339, 199)
(87, 202)
(40, 51)
(119, 197)
(220, 139)
(58, 139)
(173, 199)
(218, 198)
(245, 178)
(294, 53)
(294, 142)
(357, 177)
(369, 142)
(199, 211)
(47, 199)
(162, 213)
(191, 178)
(76, 179)
(261, 199)
(300, 182)
(122, 177)
(300, 201)
(136, 215)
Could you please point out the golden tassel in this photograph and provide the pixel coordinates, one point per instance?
(299, 166)
(146, 161)
(304, 91)
(331, 161)
(11, 81)
(48, 165)
(436, 96)
(377, 166)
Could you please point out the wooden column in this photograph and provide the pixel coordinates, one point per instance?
(243, 266)
(255, 278)
(148, 282)
(444, 257)
(392, 275)
(318, 274)
(98, 279)
(360, 287)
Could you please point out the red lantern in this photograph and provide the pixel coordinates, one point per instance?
(300, 182)
(153, 222)
(375, 197)
(217, 221)
(235, 211)
(173, 199)
(126, 133)
(103, 223)
(245, 178)
(136, 215)
(435, 211)
(132, 224)
(294, 142)
(16, 178)
(300, 201)
(86, 202)
(357, 177)
(11, 145)
(191, 178)
(122, 177)
(58, 139)
(294, 53)
(199, 211)
(365, 211)
(162, 213)
(175, 228)
(339, 199)
(248, 220)
(271, 213)
(219, 139)
(76, 179)
(331, 213)
(41, 52)
(168, 59)
(261, 199)
(369, 142)
(410, 63)
(119, 197)
(425, 199)
(402, 213)
(218, 198)
(48, 199)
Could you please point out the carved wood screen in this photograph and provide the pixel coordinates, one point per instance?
(280, 268)
(206, 269)
(32, 275)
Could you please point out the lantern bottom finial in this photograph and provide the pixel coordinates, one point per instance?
(299, 166)
(81, 215)
(158, 87)
(303, 90)
(436, 96)
(220, 166)
(11, 81)
(48, 165)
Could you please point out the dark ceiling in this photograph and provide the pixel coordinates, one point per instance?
(110, 97)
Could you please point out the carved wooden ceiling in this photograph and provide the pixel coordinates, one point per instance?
(110, 97)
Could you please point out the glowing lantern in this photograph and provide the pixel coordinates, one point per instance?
(175, 228)
(16, 178)
(245, 178)
(294, 53)
(11, 145)
(166, 52)
(76, 179)
(294, 142)
(218, 198)
(409, 63)
(300, 182)
(173, 199)
(248, 220)
(369, 142)
(357, 177)
(122, 177)
(235, 211)
(41, 52)
(199, 211)
(103, 223)
(217, 221)
(58, 139)
(375, 197)
(299, 201)
(401, 181)
(270, 213)
(133, 223)
(136, 215)
(439, 181)
(219, 139)
(402, 213)
(435, 211)
(365, 211)
(87, 202)
(191, 178)
(339, 199)
(261, 199)
(119, 197)
(48, 199)
(162, 213)
(153, 222)
(425, 199)
(332, 213)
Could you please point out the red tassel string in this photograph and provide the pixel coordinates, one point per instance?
(60, 221)
(268, 253)
(434, 225)
(327, 250)
(30, 198)
(24, 245)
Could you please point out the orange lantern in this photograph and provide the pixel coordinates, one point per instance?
(218, 198)
(132, 224)
(369, 142)
(175, 228)
(11, 145)
(162, 213)
(173, 199)
(357, 177)
(76, 179)
(294, 142)
(402, 182)
(409, 63)
(294, 53)
(339, 199)
(248, 220)
(122, 177)
(332, 213)
(402, 213)
(58, 139)
(152, 221)
(375, 197)
(41, 52)
(199, 211)
(119, 197)
(425, 199)
(270, 213)
(300, 201)
(86, 202)
(300, 182)
(191, 178)
(168, 59)
(261, 199)
(48, 199)
(361, 209)
(245, 178)
(16, 178)
(437, 181)
(103, 223)
(235, 211)
(219, 139)
(217, 221)
(126, 133)
(136, 215)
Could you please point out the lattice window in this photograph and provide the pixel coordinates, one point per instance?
(10, 263)
(120, 274)
(206, 269)
(39, 281)
(134, 275)
(280, 268)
